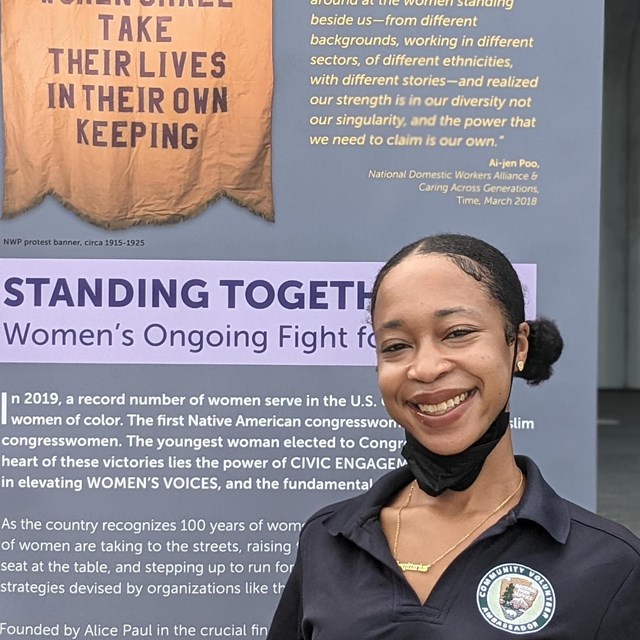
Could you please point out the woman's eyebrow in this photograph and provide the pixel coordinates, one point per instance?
(391, 324)
(443, 313)
(440, 313)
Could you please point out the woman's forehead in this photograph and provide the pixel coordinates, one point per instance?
(433, 282)
(424, 271)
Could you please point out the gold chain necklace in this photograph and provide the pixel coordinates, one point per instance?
(423, 568)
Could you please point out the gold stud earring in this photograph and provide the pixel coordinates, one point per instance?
(520, 365)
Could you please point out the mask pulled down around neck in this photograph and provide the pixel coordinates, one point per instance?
(436, 473)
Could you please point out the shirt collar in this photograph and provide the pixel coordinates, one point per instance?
(540, 503)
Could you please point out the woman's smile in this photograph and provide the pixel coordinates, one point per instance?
(443, 407)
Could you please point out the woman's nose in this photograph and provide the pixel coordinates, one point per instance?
(429, 364)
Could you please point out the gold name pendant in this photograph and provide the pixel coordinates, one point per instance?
(413, 566)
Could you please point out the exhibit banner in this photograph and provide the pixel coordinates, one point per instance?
(192, 312)
(177, 399)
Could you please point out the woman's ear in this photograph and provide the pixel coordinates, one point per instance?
(522, 346)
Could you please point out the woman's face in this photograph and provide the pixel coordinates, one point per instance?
(444, 365)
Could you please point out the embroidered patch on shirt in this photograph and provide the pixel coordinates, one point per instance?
(516, 599)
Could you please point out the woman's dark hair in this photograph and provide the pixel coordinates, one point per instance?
(496, 275)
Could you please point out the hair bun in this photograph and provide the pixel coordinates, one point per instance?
(545, 347)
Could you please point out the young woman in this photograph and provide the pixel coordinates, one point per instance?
(467, 541)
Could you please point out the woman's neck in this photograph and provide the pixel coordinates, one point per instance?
(498, 478)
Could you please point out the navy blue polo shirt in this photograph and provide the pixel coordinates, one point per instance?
(549, 570)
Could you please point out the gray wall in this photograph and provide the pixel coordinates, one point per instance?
(619, 341)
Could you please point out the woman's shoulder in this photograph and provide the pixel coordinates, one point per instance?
(349, 505)
(570, 523)
(603, 531)
(352, 512)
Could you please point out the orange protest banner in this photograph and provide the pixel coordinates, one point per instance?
(137, 111)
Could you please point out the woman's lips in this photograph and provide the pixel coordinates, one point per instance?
(444, 406)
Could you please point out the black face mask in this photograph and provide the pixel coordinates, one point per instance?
(436, 473)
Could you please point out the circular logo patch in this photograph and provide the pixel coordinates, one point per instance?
(516, 599)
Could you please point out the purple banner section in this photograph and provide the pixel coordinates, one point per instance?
(192, 312)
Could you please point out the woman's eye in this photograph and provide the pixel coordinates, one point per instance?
(459, 333)
(393, 347)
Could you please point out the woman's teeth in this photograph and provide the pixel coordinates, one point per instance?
(444, 406)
